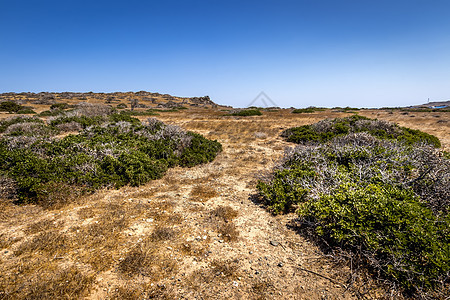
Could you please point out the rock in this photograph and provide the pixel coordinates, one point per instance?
(280, 264)
(274, 243)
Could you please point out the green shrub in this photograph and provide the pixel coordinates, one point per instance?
(310, 109)
(328, 129)
(51, 113)
(26, 111)
(4, 124)
(373, 194)
(121, 106)
(247, 112)
(390, 227)
(60, 106)
(119, 152)
(10, 106)
(82, 120)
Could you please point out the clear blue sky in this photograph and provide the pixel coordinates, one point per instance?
(364, 53)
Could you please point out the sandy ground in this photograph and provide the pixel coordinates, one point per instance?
(198, 233)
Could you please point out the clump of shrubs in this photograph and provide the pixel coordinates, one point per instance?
(111, 150)
(326, 130)
(310, 109)
(374, 194)
(246, 112)
(14, 108)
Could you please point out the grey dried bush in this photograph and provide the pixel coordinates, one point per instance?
(91, 110)
(31, 128)
(7, 188)
(418, 167)
(69, 127)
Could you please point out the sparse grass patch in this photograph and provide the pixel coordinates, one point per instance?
(52, 242)
(221, 220)
(147, 260)
(68, 283)
(202, 193)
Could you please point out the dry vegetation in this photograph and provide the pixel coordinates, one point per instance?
(195, 233)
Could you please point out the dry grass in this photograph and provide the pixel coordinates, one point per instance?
(51, 242)
(44, 281)
(148, 260)
(43, 225)
(202, 193)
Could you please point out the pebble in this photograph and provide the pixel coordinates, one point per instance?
(280, 264)
(274, 243)
(220, 241)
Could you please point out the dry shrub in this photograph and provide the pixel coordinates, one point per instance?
(69, 127)
(147, 260)
(86, 213)
(224, 213)
(221, 220)
(193, 249)
(162, 234)
(202, 193)
(91, 110)
(43, 225)
(51, 242)
(227, 268)
(55, 195)
(261, 289)
(7, 188)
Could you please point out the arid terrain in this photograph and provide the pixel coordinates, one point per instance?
(197, 233)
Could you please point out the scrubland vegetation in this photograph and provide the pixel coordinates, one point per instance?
(372, 189)
(100, 201)
(110, 150)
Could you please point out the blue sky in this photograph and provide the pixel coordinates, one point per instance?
(363, 53)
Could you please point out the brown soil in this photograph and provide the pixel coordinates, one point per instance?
(198, 233)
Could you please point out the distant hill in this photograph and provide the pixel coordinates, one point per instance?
(141, 99)
(439, 104)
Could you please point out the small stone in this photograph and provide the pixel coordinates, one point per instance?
(235, 283)
(274, 243)
(250, 252)
(220, 241)
(150, 220)
(257, 272)
(280, 264)
(205, 237)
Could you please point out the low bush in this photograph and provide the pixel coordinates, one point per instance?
(328, 129)
(4, 124)
(310, 109)
(121, 106)
(246, 113)
(14, 108)
(109, 151)
(61, 106)
(10, 106)
(376, 194)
